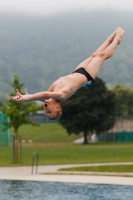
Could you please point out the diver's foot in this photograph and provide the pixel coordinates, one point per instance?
(111, 37)
(119, 34)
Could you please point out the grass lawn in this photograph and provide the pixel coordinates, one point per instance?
(50, 133)
(121, 152)
(70, 154)
(105, 168)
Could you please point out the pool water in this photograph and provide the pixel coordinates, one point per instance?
(27, 190)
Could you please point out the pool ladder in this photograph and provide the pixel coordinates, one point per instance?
(35, 155)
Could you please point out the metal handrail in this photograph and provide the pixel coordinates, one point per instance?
(37, 158)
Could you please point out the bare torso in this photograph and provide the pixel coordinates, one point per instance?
(68, 85)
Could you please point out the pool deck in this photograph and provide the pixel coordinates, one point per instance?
(51, 173)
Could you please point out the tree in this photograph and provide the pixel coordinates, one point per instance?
(18, 113)
(124, 97)
(89, 110)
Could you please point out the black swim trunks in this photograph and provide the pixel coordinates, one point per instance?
(86, 74)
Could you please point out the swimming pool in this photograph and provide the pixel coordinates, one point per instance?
(27, 190)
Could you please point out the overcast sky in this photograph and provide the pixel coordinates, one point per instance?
(48, 7)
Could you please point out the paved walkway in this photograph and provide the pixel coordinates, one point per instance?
(50, 173)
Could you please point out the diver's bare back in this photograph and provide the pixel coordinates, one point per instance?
(69, 84)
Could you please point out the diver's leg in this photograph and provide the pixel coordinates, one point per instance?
(94, 66)
(108, 41)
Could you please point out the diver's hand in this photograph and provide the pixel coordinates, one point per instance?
(19, 97)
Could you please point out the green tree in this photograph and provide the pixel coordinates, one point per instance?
(89, 110)
(18, 112)
(124, 97)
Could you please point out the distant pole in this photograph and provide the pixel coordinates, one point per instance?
(114, 153)
(20, 146)
(46, 138)
(114, 138)
(13, 148)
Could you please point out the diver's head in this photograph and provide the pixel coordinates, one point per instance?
(53, 109)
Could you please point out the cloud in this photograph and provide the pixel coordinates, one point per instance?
(46, 7)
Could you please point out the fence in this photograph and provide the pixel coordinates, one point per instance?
(4, 134)
(116, 136)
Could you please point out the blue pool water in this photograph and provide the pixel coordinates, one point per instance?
(32, 190)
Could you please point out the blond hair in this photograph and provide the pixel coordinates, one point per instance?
(58, 115)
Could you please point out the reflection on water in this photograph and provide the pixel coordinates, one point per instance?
(32, 190)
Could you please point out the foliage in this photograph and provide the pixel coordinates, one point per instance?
(124, 97)
(90, 109)
(18, 112)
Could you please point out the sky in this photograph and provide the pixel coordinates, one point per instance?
(50, 7)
